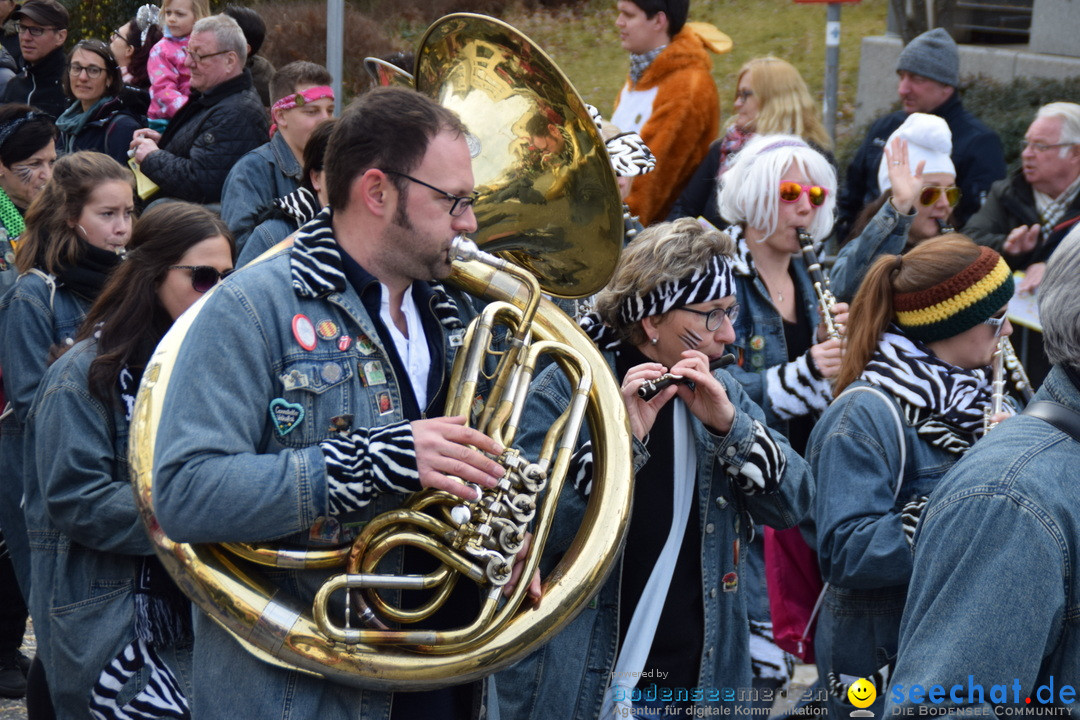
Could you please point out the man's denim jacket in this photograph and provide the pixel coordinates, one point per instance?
(227, 470)
(995, 590)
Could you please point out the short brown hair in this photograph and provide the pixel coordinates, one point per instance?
(301, 72)
(387, 128)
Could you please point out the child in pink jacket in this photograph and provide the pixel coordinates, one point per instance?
(170, 78)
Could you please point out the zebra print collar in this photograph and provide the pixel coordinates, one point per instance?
(318, 270)
(943, 402)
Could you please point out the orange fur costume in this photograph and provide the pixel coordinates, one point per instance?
(675, 107)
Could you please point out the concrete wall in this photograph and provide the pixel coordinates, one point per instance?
(877, 65)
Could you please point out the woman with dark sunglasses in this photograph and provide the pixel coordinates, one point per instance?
(919, 193)
(102, 117)
(113, 630)
(923, 329)
(776, 187)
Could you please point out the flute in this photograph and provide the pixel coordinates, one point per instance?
(650, 388)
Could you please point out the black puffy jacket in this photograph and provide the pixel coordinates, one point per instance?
(205, 139)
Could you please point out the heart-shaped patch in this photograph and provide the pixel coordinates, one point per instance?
(286, 415)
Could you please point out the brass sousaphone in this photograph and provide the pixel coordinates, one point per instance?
(550, 221)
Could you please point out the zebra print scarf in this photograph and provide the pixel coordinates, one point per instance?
(943, 402)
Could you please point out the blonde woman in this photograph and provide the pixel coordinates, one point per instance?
(770, 98)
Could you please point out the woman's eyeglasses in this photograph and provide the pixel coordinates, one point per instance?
(930, 194)
(714, 317)
(997, 322)
(203, 277)
(791, 192)
(744, 95)
(92, 71)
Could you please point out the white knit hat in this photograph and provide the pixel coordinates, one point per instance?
(928, 139)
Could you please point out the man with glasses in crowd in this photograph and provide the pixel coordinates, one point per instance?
(223, 120)
(42, 29)
(1026, 215)
(312, 387)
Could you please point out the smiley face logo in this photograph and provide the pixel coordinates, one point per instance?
(862, 693)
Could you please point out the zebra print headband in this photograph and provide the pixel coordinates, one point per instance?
(711, 282)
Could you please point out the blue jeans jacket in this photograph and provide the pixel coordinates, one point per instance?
(223, 471)
(885, 234)
(35, 314)
(87, 540)
(267, 172)
(567, 678)
(995, 591)
(855, 455)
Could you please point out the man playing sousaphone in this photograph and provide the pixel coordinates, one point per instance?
(312, 388)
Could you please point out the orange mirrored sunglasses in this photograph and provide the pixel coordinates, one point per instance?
(791, 192)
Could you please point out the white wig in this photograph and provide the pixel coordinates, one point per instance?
(749, 191)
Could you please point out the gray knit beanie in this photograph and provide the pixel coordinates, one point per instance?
(932, 55)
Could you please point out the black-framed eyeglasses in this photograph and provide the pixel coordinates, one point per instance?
(117, 36)
(197, 57)
(744, 95)
(203, 277)
(92, 71)
(34, 30)
(714, 317)
(997, 322)
(458, 203)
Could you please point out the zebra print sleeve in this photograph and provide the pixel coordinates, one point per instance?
(764, 466)
(580, 472)
(795, 389)
(361, 464)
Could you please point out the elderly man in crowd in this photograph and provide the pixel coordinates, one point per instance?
(991, 611)
(929, 72)
(222, 121)
(1028, 214)
(42, 29)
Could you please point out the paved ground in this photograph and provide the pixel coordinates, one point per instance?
(16, 709)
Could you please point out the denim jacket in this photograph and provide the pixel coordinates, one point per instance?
(224, 471)
(267, 172)
(35, 314)
(86, 537)
(567, 678)
(885, 234)
(862, 552)
(995, 591)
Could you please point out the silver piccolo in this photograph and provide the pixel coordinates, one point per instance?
(650, 388)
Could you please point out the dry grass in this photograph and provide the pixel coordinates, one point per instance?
(582, 40)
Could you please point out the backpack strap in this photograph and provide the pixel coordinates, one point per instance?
(899, 429)
(1063, 418)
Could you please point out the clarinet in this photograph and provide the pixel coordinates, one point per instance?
(826, 300)
(650, 388)
(997, 387)
(943, 226)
